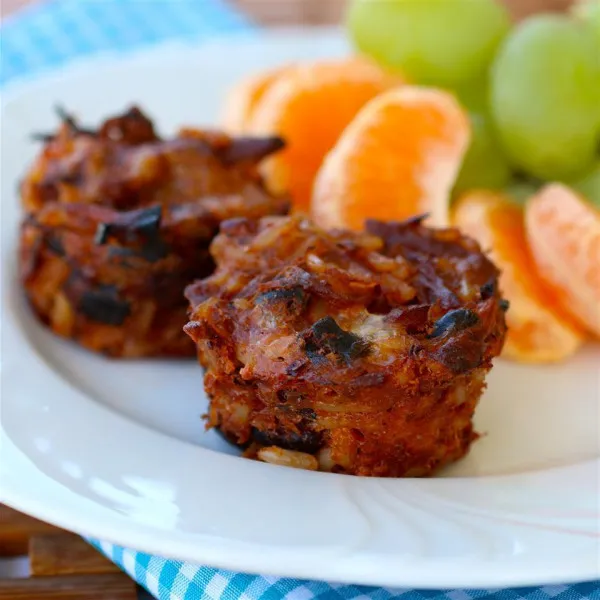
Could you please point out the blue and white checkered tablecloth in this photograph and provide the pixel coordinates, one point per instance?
(54, 32)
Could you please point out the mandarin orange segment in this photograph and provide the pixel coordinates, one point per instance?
(243, 98)
(538, 330)
(398, 158)
(563, 232)
(310, 106)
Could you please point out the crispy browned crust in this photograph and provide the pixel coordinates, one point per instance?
(125, 165)
(368, 351)
(118, 222)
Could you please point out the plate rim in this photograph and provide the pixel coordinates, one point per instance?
(163, 50)
(562, 572)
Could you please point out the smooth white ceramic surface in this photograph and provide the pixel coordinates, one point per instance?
(117, 450)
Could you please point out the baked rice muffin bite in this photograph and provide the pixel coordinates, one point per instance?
(358, 353)
(118, 221)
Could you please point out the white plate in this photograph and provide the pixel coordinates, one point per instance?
(117, 450)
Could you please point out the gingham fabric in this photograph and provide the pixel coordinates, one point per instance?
(53, 32)
(49, 35)
(174, 580)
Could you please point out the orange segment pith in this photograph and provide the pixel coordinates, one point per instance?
(397, 159)
(243, 98)
(564, 236)
(310, 106)
(538, 331)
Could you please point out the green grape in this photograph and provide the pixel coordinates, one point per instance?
(473, 95)
(589, 12)
(589, 185)
(437, 42)
(544, 97)
(484, 165)
(521, 191)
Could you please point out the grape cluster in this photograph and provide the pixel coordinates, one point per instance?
(532, 90)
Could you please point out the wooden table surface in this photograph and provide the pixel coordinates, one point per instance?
(41, 562)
